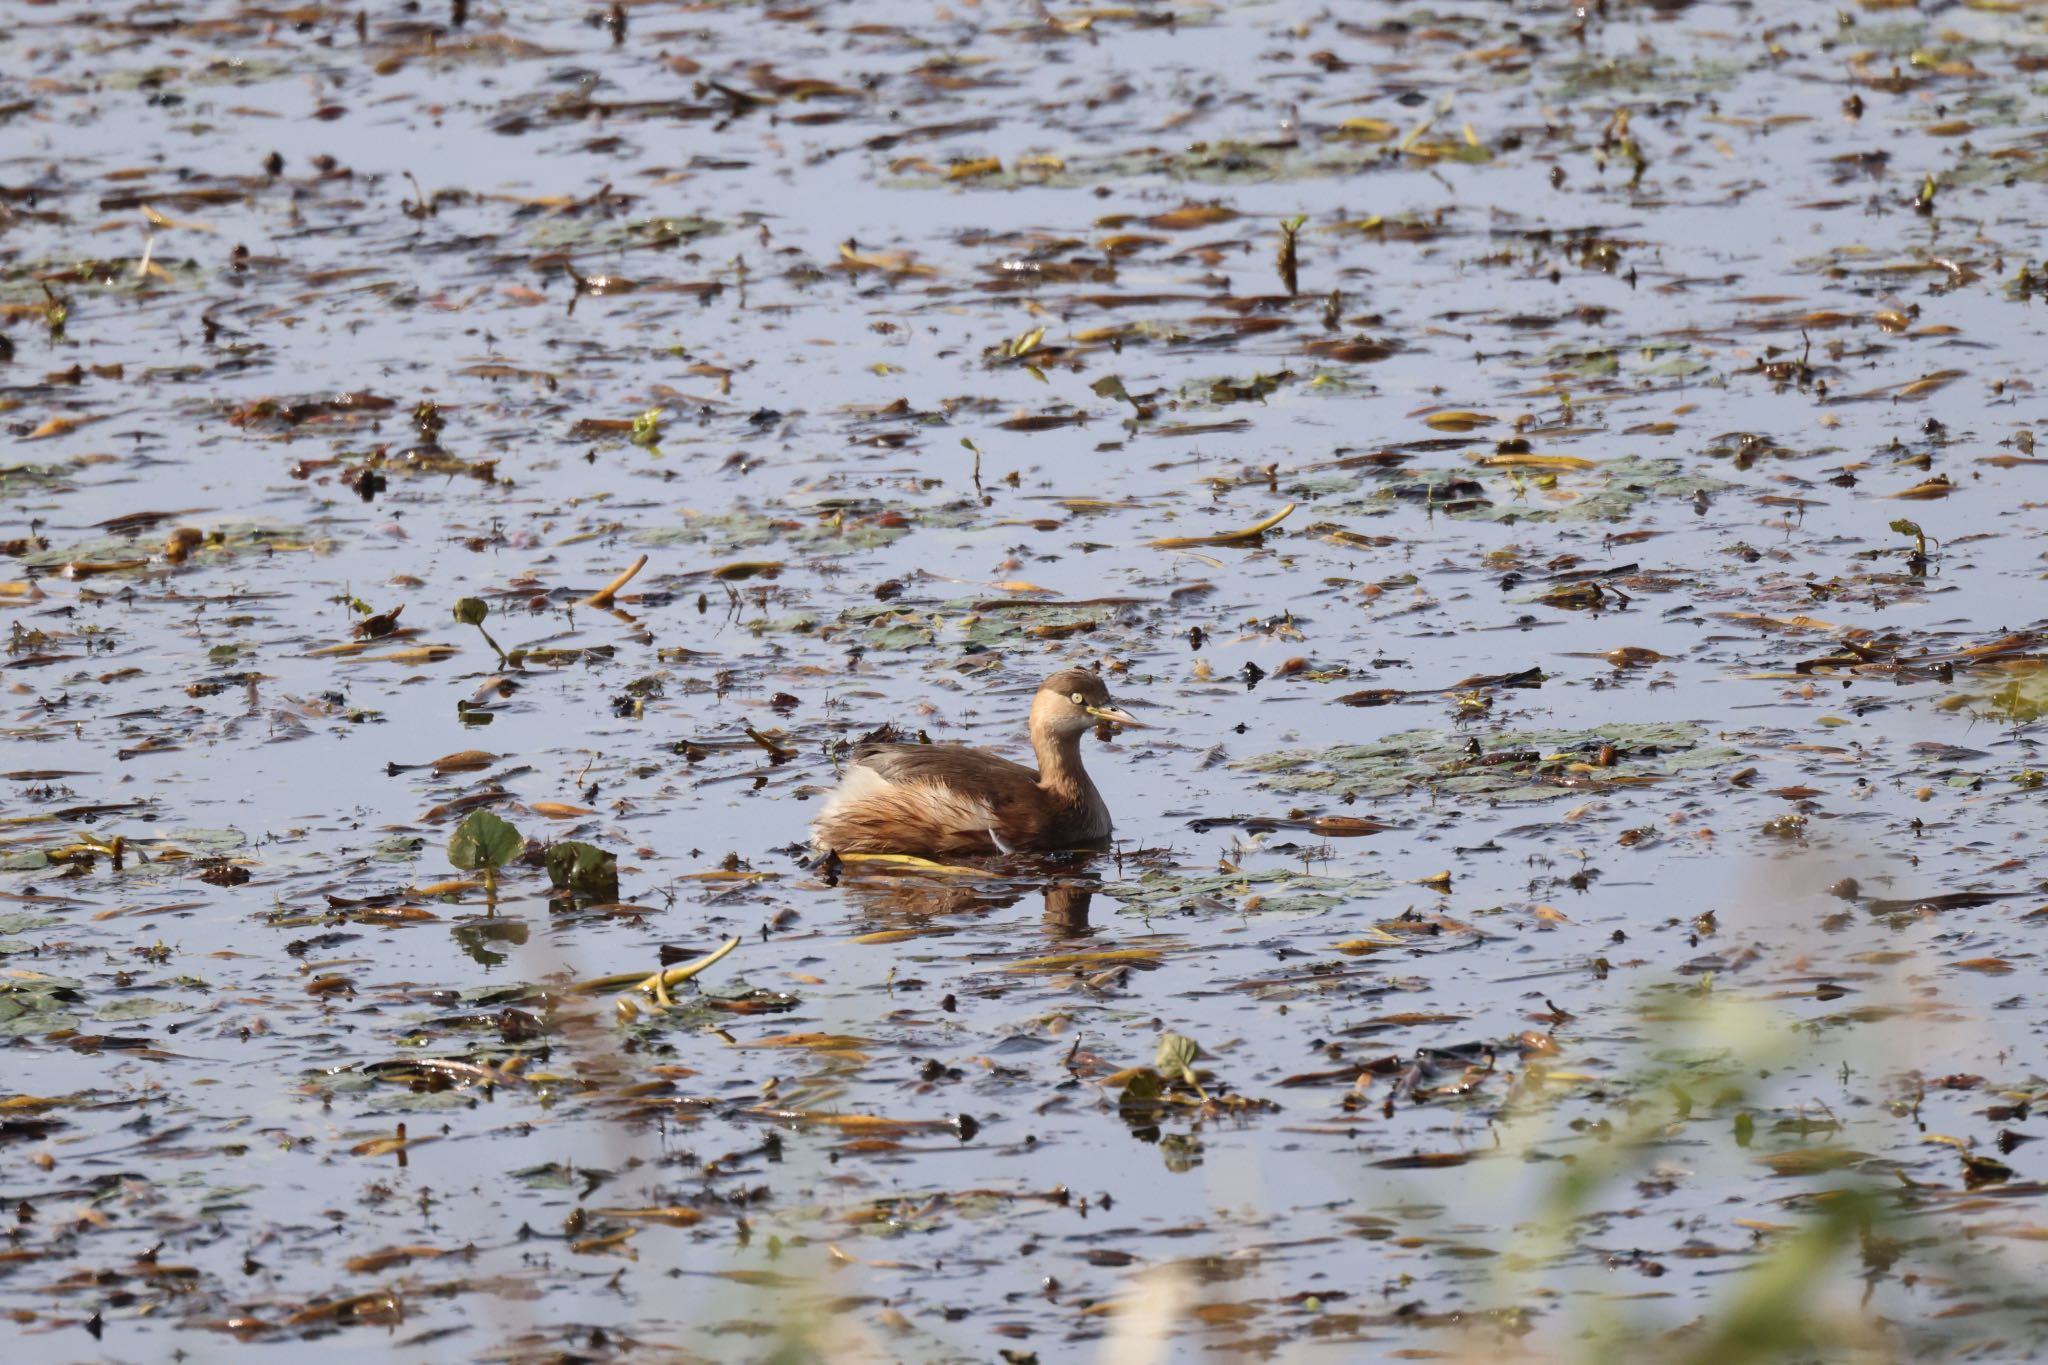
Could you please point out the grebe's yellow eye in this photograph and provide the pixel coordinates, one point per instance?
(1080, 700)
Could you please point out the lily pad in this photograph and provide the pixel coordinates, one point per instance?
(26, 921)
(137, 1007)
(483, 840)
(1523, 765)
(1267, 892)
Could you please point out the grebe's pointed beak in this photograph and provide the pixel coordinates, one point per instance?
(1116, 715)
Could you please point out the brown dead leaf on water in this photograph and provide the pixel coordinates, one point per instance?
(858, 1123)
(378, 1306)
(419, 654)
(888, 262)
(1345, 826)
(1353, 350)
(377, 1262)
(1252, 532)
(884, 936)
(1933, 383)
(674, 1215)
(398, 1143)
(1046, 421)
(1069, 962)
(1189, 216)
(1424, 1161)
(604, 595)
(1528, 460)
(1458, 421)
(742, 570)
(837, 1044)
(60, 426)
(91, 568)
(1799, 1161)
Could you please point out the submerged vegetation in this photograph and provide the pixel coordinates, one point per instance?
(480, 468)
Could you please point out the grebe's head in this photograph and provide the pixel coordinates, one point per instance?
(1071, 702)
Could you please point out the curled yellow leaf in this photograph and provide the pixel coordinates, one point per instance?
(1252, 532)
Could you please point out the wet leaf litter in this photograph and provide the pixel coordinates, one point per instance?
(1561, 479)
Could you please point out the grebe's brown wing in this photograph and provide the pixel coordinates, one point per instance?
(996, 781)
(1002, 800)
(945, 799)
(932, 799)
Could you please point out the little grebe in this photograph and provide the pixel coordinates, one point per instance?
(947, 799)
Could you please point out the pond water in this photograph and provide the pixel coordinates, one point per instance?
(1560, 481)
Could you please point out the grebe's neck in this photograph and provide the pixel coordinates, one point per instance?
(1059, 752)
(1059, 764)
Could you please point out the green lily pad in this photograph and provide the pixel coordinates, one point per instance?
(584, 869)
(208, 843)
(397, 848)
(137, 1007)
(1280, 892)
(1435, 759)
(224, 542)
(483, 840)
(38, 1005)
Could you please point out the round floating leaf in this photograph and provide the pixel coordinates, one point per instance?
(584, 869)
(138, 1007)
(1177, 1053)
(483, 840)
(208, 843)
(1142, 1096)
